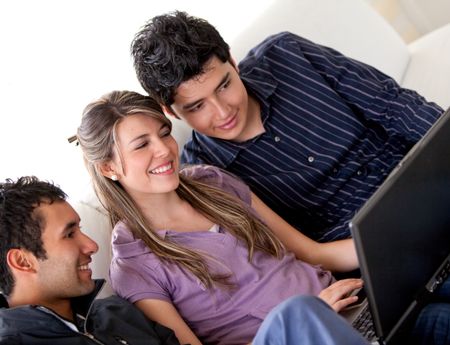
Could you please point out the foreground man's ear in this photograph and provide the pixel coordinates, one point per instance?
(20, 260)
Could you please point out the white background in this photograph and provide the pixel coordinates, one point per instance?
(57, 56)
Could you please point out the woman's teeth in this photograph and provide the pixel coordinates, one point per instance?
(162, 169)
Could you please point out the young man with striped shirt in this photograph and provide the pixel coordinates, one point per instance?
(312, 132)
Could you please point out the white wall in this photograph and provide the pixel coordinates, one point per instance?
(56, 56)
(414, 18)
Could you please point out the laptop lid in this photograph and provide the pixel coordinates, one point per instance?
(402, 233)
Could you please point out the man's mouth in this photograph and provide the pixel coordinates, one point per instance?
(229, 124)
(162, 168)
(84, 267)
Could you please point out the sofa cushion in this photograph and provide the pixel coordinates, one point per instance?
(349, 26)
(95, 224)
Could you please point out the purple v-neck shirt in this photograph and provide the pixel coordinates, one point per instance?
(216, 316)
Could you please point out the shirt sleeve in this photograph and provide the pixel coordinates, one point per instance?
(134, 272)
(369, 92)
(135, 282)
(220, 179)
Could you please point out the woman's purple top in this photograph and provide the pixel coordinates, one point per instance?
(217, 315)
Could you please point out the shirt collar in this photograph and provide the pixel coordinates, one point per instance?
(225, 151)
(80, 305)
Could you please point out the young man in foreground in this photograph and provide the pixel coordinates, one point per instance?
(48, 295)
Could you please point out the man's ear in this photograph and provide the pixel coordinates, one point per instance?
(20, 260)
(233, 63)
(168, 111)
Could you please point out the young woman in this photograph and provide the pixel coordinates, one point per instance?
(196, 251)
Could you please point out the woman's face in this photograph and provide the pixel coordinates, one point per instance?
(149, 156)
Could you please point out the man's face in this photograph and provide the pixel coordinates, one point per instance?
(214, 103)
(65, 273)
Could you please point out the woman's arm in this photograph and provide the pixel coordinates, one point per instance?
(334, 256)
(165, 314)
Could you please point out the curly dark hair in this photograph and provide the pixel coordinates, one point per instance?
(20, 225)
(173, 48)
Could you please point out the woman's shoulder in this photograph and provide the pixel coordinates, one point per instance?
(219, 178)
(200, 171)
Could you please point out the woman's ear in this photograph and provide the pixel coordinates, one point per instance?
(168, 111)
(108, 170)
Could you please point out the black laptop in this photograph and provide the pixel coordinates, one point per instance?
(402, 235)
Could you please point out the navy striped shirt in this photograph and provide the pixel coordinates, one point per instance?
(334, 129)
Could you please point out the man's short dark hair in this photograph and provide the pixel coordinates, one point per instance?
(173, 48)
(20, 226)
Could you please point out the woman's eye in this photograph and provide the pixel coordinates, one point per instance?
(140, 146)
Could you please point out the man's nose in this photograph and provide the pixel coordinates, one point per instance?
(89, 245)
(222, 108)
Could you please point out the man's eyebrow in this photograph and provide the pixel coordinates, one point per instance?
(69, 226)
(223, 81)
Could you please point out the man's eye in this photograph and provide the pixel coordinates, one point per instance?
(225, 85)
(195, 108)
(70, 234)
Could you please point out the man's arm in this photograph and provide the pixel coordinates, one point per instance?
(369, 92)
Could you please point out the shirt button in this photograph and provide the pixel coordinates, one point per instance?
(310, 159)
(277, 138)
(359, 172)
(335, 170)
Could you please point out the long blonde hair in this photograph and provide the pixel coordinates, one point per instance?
(96, 136)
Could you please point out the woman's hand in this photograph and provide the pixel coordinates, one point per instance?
(337, 294)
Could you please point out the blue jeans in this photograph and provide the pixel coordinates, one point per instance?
(433, 324)
(306, 320)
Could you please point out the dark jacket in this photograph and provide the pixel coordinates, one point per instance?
(103, 321)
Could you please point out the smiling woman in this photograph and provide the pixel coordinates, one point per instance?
(56, 57)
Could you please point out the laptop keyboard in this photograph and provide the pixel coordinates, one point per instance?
(364, 324)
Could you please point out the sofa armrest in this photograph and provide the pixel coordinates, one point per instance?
(428, 71)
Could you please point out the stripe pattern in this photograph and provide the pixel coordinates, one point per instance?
(335, 128)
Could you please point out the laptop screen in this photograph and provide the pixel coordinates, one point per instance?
(402, 233)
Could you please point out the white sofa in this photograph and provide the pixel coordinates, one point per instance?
(350, 26)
